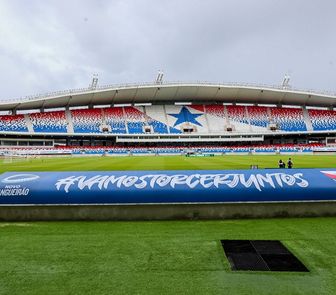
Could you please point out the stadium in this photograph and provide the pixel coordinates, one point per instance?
(195, 154)
(171, 118)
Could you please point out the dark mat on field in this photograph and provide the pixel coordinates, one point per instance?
(261, 255)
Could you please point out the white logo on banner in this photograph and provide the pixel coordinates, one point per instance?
(18, 178)
(258, 181)
(13, 187)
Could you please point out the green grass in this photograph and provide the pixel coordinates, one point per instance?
(176, 257)
(172, 257)
(165, 163)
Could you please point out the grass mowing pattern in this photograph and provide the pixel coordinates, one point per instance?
(176, 257)
(166, 163)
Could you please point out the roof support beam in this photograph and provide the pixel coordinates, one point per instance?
(195, 92)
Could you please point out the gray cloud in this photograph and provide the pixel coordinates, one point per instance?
(56, 45)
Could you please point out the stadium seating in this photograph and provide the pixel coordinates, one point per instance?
(323, 119)
(216, 118)
(171, 119)
(237, 117)
(114, 117)
(237, 113)
(258, 116)
(49, 122)
(288, 149)
(13, 123)
(164, 150)
(87, 120)
(135, 120)
(288, 119)
(156, 118)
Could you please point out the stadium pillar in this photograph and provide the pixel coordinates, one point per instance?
(13, 112)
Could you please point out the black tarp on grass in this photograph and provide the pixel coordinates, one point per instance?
(259, 255)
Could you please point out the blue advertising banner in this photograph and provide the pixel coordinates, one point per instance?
(140, 187)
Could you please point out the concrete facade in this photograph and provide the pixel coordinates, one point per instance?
(167, 211)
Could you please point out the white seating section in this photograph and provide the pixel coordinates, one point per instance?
(238, 119)
(156, 118)
(216, 118)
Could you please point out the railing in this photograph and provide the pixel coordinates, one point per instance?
(136, 85)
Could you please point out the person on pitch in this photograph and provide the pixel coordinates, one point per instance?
(281, 164)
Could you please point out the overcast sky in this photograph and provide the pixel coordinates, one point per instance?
(48, 45)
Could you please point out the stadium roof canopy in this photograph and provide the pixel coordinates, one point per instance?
(173, 92)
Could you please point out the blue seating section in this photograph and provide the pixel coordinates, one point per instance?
(87, 120)
(136, 120)
(135, 127)
(323, 119)
(114, 117)
(158, 127)
(288, 119)
(258, 116)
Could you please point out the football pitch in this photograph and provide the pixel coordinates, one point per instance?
(169, 257)
(160, 257)
(163, 163)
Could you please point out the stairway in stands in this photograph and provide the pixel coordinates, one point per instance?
(29, 123)
(70, 128)
(307, 120)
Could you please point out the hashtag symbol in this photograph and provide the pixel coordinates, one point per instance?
(66, 182)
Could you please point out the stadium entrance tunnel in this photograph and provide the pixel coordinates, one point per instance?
(261, 255)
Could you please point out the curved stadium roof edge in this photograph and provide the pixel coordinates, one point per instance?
(173, 92)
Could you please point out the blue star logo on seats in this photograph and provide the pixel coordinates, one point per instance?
(186, 116)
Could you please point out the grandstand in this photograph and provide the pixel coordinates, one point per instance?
(169, 119)
(202, 118)
(48, 122)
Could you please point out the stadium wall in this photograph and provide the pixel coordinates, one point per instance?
(167, 212)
